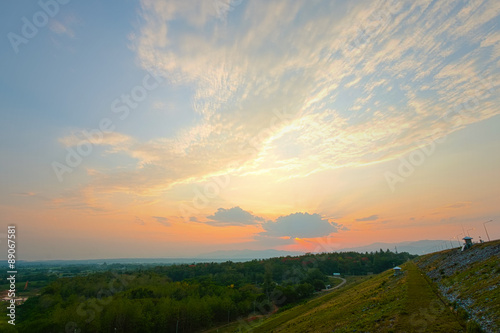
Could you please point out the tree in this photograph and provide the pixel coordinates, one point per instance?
(318, 285)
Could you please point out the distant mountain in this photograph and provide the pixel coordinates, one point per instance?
(248, 254)
(417, 247)
(125, 261)
(217, 256)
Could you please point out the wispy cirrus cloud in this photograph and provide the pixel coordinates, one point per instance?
(455, 205)
(346, 106)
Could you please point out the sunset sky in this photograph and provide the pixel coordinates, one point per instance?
(175, 128)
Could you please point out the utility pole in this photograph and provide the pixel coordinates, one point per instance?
(484, 225)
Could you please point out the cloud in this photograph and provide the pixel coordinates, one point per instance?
(344, 106)
(25, 194)
(233, 217)
(465, 204)
(162, 220)
(31, 195)
(61, 29)
(368, 218)
(64, 24)
(270, 242)
(139, 221)
(84, 199)
(95, 137)
(299, 225)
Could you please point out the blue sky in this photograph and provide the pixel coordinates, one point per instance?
(286, 111)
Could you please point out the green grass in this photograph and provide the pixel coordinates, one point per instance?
(380, 303)
(312, 306)
(424, 310)
(365, 306)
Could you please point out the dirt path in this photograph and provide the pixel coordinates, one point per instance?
(323, 291)
(341, 283)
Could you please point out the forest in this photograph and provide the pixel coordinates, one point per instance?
(188, 297)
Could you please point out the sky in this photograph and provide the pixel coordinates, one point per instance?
(135, 129)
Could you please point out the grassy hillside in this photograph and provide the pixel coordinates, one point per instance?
(382, 303)
(448, 291)
(469, 281)
(253, 322)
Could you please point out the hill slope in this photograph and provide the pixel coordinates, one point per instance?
(469, 280)
(447, 291)
(381, 303)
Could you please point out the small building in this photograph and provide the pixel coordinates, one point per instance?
(397, 270)
(336, 274)
(468, 243)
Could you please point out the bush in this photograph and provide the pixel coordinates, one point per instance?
(318, 285)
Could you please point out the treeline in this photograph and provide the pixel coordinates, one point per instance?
(188, 298)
